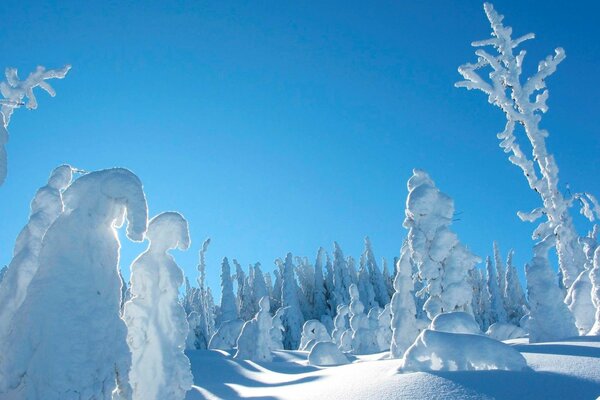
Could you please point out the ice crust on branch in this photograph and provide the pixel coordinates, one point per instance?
(524, 102)
(14, 91)
(156, 322)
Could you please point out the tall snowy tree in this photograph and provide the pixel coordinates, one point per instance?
(245, 301)
(523, 103)
(319, 296)
(498, 314)
(306, 278)
(156, 322)
(387, 277)
(516, 302)
(14, 91)
(404, 311)
(365, 285)
(443, 262)
(381, 293)
(45, 207)
(595, 279)
(500, 273)
(341, 277)
(55, 349)
(228, 310)
(292, 317)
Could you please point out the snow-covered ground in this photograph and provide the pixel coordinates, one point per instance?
(568, 369)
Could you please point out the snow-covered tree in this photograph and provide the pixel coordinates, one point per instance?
(319, 295)
(259, 287)
(381, 294)
(69, 340)
(277, 329)
(45, 207)
(245, 300)
(500, 274)
(228, 310)
(443, 262)
(365, 285)
(523, 103)
(404, 312)
(292, 317)
(305, 274)
(516, 302)
(549, 317)
(595, 279)
(363, 338)
(341, 277)
(387, 277)
(340, 323)
(498, 314)
(254, 342)
(156, 322)
(14, 91)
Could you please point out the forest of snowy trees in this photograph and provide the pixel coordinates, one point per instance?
(72, 328)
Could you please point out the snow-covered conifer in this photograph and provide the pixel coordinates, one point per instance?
(156, 322)
(292, 317)
(387, 277)
(313, 331)
(245, 301)
(277, 329)
(365, 286)
(57, 350)
(379, 287)
(516, 302)
(341, 277)
(319, 296)
(403, 309)
(363, 337)
(14, 91)
(340, 323)
(595, 280)
(254, 342)
(498, 312)
(228, 306)
(443, 262)
(45, 207)
(500, 273)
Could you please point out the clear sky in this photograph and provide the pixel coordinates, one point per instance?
(283, 126)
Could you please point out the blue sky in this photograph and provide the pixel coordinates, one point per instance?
(283, 126)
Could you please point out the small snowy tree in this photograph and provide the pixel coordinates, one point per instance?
(14, 91)
(404, 312)
(363, 337)
(254, 342)
(46, 206)
(228, 307)
(292, 317)
(443, 262)
(595, 280)
(69, 340)
(156, 322)
(523, 104)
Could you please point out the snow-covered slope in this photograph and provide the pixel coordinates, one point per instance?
(560, 370)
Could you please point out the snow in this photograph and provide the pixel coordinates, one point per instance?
(505, 331)
(156, 322)
(254, 342)
(225, 338)
(325, 354)
(558, 371)
(456, 322)
(55, 348)
(313, 331)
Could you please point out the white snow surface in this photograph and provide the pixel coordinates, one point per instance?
(558, 371)
(157, 327)
(324, 354)
(57, 351)
(505, 331)
(456, 322)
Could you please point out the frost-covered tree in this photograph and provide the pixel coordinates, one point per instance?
(276, 298)
(277, 329)
(403, 308)
(14, 91)
(340, 323)
(254, 342)
(365, 286)
(485, 303)
(45, 207)
(498, 314)
(549, 317)
(500, 274)
(259, 287)
(387, 277)
(363, 337)
(319, 296)
(228, 306)
(305, 274)
(595, 279)
(523, 102)
(341, 277)
(377, 281)
(329, 285)
(156, 322)
(443, 262)
(516, 302)
(245, 301)
(292, 317)
(69, 340)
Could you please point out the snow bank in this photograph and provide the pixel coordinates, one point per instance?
(69, 340)
(156, 321)
(313, 331)
(443, 351)
(456, 322)
(505, 331)
(324, 354)
(225, 338)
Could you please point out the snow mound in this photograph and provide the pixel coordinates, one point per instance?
(456, 322)
(324, 354)
(225, 337)
(443, 351)
(313, 331)
(505, 331)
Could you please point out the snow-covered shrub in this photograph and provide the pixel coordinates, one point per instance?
(277, 329)
(549, 317)
(383, 328)
(225, 338)
(523, 102)
(403, 309)
(156, 322)
(45, 207)
(340, 323)
(505, 331)
(443, 351)
(314, 331)
(456, 322)
(443, 262)
(254, 342)
(14, 91)
(68, 340)
(363, 337)
(324, 354)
